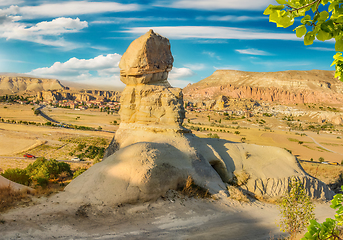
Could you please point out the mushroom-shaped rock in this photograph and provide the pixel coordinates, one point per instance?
(147, 60)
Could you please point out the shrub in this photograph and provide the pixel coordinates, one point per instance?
(44, 169)
(80, 146)
(43, 182)
(321, 159)
(237, 132)
(79, 172)
(210, 135)
(17, 175)
(296, 209)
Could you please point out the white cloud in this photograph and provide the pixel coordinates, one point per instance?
(46, 33)
(231, 18)
(179, 83)
(101, 70)
(281, 63)
(119, 20)
(8, 15)
(211, 54)
(228, 67)
(196, 66)
(178, 73)
(72, 8)
(323, 49)
(212, 32)
(10, 2)
(216, 5)
(252, 51)
(105, 67)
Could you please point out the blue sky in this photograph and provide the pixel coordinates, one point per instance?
(83, 41)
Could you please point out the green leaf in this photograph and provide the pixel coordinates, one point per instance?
(286, 21)
(278, 7)
(300, 31)
(328, 26)
(332, 6)
(323, 16)
(323, 36)
(309, 38)
(306, 19)
(268, 10)
(282, 2)
(339, 45)
(274, 17)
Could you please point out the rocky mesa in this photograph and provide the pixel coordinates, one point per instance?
(285, 87)
(20, 84)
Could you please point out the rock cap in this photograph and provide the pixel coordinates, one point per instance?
(147, 60)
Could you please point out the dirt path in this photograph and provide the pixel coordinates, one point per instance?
(169, 218)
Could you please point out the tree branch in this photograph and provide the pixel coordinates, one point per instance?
(307, 5)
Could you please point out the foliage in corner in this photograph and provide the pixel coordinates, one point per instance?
(320, 19)
(296, 209)
(328, 229)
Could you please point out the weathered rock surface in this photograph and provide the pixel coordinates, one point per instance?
(156, 153)
(148, 100)
(315, 86)
(147, 60)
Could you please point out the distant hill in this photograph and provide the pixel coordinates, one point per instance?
(285, 87)
(20, 83)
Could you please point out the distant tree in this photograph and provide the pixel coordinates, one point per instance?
(324, 23)
(321, 159)
(37, 112)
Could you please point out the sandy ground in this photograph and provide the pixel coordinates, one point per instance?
(172, 217)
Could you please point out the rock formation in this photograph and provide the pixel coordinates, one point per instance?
(148, 100)
(315, 86)
(152, 153)
(82, 95)
(20, 84)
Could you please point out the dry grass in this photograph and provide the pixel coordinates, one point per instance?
(240, 179)
(190, 189)
(326, 173)
(10, 198)
(237, 194)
